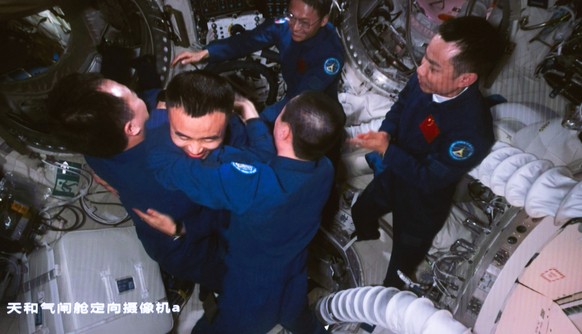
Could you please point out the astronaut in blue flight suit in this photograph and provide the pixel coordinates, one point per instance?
(275, 212)
(439, 128)
(107, 122)
(311, 53)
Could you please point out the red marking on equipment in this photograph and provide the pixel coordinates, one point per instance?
(552, 275)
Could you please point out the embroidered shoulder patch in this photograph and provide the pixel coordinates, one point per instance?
(331, 66)
(244, 168)
(461, 150)
(281, 20)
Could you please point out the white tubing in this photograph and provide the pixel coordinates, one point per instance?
(398, 311)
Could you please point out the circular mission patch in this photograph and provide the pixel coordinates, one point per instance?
(244, 168)
(331, 66)
(461, 150)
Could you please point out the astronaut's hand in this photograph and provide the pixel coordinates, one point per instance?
(245, 108)
(190, 57)
(104, 184)
(158, 220)
(375, 141)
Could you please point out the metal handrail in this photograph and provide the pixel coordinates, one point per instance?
(524, 21)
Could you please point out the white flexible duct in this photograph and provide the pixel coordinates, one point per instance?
(532, 183)
(520, 181)
(498, 145)
(548, 190)
(571, 206)
(398, 311)
(505, 169)
(492, 160)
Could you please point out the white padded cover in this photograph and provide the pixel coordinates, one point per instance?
(364, 108)
(549, 140)
(522, 113)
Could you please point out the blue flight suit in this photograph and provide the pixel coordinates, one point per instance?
(313, 64)
(198, 255)
(275, 212)
(432, 146)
